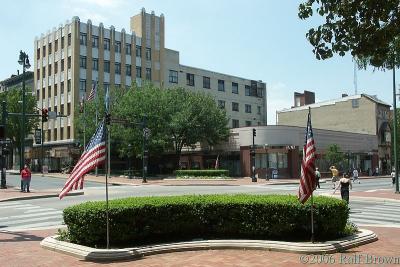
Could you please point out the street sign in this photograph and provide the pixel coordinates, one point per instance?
(146, 132)
(52, 115)
(38, 136)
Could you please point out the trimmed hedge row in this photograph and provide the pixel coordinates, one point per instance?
(141, 220)
(197, 173)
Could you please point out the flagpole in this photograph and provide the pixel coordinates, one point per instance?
(312, 197)
(84, 123)
(97, 116)
(107, 205)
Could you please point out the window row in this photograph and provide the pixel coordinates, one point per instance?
(235, 106)
(49, 68)
(190, 81)
(235, 123)
(49, 90)
(48, 137)
(117, 46)
(50, 46)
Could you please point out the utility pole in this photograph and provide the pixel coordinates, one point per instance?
(24, 61)
(396, 165)
(2, 139)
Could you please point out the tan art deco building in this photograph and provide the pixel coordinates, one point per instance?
(71, 58)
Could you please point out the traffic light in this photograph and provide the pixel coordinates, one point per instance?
(254, 132)
(45, 115)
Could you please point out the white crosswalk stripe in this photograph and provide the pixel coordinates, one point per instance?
(25, 216)
(383, 214)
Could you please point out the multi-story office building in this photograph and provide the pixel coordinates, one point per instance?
(15, 82)
(74, 56)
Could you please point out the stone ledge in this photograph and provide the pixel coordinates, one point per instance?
(93, 254)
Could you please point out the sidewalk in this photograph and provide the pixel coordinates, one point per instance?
(23, 249)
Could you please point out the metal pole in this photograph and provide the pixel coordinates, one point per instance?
(107, 205)
(253, 160)
(41, 147)
(312, 218)
(84, 123)
(22, 153)
(97, 115)
(144, 156)
(395, 132)
(3, 168)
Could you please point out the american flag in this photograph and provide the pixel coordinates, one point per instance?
(93, 93)
(94, 155)
(307, 180)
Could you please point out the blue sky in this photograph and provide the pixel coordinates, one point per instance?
(255, 39)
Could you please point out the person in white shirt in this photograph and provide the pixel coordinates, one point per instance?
(355, 176)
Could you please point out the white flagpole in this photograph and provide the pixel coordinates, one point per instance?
(107, 205)
(84, 122)
(312, 194)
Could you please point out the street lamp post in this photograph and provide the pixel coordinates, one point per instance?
(396, 165)
(144, 160)
(24, 61)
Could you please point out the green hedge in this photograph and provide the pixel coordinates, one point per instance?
(142, 220)
(206, 173)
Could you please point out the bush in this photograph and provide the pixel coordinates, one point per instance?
(141, 220)
(204, 173)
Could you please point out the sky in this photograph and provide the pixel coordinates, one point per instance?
(256, 39)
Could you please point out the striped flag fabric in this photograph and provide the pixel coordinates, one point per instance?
(94, 155)
(307, 180)
(93, 93)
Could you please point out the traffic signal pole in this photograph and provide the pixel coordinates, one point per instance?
(253, 159)
(3, 138)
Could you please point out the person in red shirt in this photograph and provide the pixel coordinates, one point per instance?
(25, 178)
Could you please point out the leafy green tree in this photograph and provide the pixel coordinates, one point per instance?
(175, 117)
(368, 29)
(13, 99)
(333, 155)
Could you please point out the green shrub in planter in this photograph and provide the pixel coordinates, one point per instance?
(135, 221)
(202, 173)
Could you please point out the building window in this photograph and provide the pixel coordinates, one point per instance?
(138, 72)
(62, 65)
(138, 51)
(235, 106)
(117, 47)
(148, 74)
(62, 133)
(258, 110)
(49, 70)
(206, 82)
(48, 135)
(37, 95)
(69, 39)
(260, 92)
(95, 64)
(235, 88)
(38, 53)
(43, 93)
(107, 66)
(235, 123)
(106, 86)
(128, 49)
(68, 109)
(117, 68)
(189, 79)
(221, 85)
(247, 90)
(55, 90)
(248, 108)
(62, 42)
(82, 62)
(56, 45)
(50, 50)
(44, 51)
(148, 53)
(68, 132)
(55, 134)
(43, 72)
(173, 76)
(69, 62)
(106, 44)
(62, 88)
(82, 39)
(69, 85)
(49, 91)
(82, 85)
(56, 68)
(248, 123)
(221, 103)
(95, 41)
(128, 70)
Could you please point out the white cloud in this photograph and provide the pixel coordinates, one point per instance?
(278, 97)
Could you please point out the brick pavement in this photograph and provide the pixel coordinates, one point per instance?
(22, 249)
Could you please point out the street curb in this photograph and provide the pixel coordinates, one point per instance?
(368, 199)
(41, 196)
(93, 254)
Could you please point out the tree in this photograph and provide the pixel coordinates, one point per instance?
(368, 29)
(333, 155)
(13, 128)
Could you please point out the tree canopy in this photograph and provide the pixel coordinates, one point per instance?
(176, 118)
(13, 128)
(368, 29)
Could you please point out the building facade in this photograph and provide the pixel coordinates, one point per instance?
(71, 58)
(362, 114)
(15, 82)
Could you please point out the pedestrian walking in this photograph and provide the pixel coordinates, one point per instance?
(26, 178)
(317, 176)
(393, 175)
(355, 176)
(345, 186)
(335, 176)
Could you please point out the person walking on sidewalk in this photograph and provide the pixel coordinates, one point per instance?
(355, 175)
(317, 176)
(26, 178)
(345, 185)
(335, 175)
